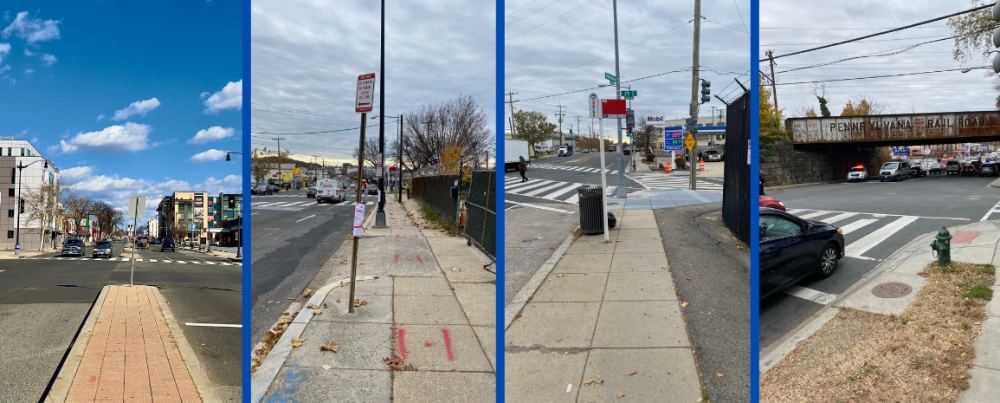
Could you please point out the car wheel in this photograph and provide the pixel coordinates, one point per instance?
(827, 261)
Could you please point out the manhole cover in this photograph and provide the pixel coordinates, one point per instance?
(891, 290)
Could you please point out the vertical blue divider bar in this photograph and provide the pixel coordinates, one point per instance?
(755, 193)
(245, 218)
(500, 241)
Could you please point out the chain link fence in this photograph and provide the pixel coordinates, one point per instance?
(481, 207)
(435, 191)
(736, 201)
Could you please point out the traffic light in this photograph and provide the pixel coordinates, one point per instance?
(996, 38)
(629, 120)
(691, 125)
(232, 203)
(571, 132)
(21, 203)
(705, 91)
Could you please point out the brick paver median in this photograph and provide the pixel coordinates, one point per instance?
(132, 355)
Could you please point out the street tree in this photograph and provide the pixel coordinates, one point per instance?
(42, 205)
(260, 163)
(644, 134)
(863, 105)
(533, 127)
(77, 206)
(432, 127)
(771, 119)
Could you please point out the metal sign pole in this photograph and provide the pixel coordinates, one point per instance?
(604, 184)
(354, 238)
(135, 220)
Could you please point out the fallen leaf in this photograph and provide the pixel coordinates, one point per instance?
(329, 347)
(358, 303)
(684, 305)
(632, 373)
(290, 298)
(324, 305)
(343, 261)
(270, 302)
(317, 312)
(718, 375)
(284, 312)
(326, 367)
(589, 382)
(560, 275)
(620, 395)
(338, 300)
(297, 342)
(311, 306)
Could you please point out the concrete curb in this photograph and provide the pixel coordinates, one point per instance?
(774, 355)
(201, 381)
(995, 184)
(521, 298)
(261, 380)
(799, 185)
(64, 380)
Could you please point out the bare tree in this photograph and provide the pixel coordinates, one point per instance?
(107, 216)
(42, 205)
(431, 128)
(77, 206)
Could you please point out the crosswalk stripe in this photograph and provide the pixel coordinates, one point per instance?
(859, 247)
(809, 294)
(839, 217)
(816, 214)
(854, 226)
(552, 196)
(795, 211)
(542, 189)
(530, 185)
(517, 185)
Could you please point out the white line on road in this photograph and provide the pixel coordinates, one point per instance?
(306, 218)
(814, 215)
(212, 325)
(537, 206)
(552, 196)
(854, 226)
(859, 247)
(810, 294)
(996, 208)
(538, 191)
(840, 217)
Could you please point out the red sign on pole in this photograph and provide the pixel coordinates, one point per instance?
(366, 93)
(613, 108)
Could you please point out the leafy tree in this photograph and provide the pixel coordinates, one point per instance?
(42, 205)
(533, 127)
(863, 105)
(259, 163)
(771, 129)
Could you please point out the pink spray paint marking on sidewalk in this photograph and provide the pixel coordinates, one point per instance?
(418, 259)
(447, 344)
(402, 343)
(395, 258)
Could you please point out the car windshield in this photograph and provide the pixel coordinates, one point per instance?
(711, 152)
(936, 166)
(890, 165)
(74, 242)
(104, 244)
(857, 169)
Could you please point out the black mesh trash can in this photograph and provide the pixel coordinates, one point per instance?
(591, 210)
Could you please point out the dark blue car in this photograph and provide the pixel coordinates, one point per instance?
(792, 249)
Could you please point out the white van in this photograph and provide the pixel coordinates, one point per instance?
(330, 190)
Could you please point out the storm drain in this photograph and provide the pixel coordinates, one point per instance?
(892, 290)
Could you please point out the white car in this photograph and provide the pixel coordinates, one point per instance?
(857, 173)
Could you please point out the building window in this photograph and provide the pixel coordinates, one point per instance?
(13, 173)
(10, 234)
(9, 153)
(10, 192)
(10, 213)
(22, 151)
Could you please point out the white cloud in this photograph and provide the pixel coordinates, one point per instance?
(211, 134)
(4, 68)
(207, 156)
(4, 50)
(136, 108)
(100, 117)
(28, 71)
(204, 94)
(229, 184)
(28, 52)
(48, 60)
(32, 29)
(130, 137)
(76, 174)
(231, 97)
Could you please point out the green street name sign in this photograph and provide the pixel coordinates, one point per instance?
(610, 78)
(629, 94)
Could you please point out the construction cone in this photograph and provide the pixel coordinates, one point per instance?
(701, 165)
(668, 168)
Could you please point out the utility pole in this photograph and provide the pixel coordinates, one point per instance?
(774, 88)
(513, 133)
(379, 164)
(618, 95)
(693, 153)
(578, 132)
(281, 175)
(562, 140)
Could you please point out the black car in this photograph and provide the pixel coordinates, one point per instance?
(168, 243)
(918, 169)
(261, 189)
(74, 247)
(792, 249)
(988, 169)
(967, 168)
(935, 169)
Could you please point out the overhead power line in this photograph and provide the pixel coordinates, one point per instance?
(546, 22)
(319, 132)
(866, 78)
(512, 12)
(880, 33)
(540, 9)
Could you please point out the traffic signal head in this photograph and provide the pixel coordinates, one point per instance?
(629, 119)
(21, 202)
(232, 203)
(691, 125)
(571, 132)
(705, 91)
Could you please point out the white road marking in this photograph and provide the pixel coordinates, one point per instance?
(854, 226)
(529, 182)
(810, 294)
(213, 325)
(840, 217)
(859, 247)
(996, 208)
(538, 207)
(530, 186)
(813, 215)
(552, 196)
(795, 210)
(542, 189)
(306, 218)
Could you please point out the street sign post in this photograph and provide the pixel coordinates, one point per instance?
(604, 169)
(364, 99)
(611, 78)
(136, 210)
(378, 165)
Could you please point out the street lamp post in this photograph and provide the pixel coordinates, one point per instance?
(20, 167)
(239, 246)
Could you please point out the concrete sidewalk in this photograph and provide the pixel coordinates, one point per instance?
(605, 324)
(424, 330)
(130, 349)
(976, 243)
(213, 252)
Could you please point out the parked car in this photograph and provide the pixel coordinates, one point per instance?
(586, 151)
(711, 156)
(73, 247)
(935, 168)
(372, 189)
(793, 249)
(967, 169)
(894, 170)
(274, 188)
(767, 201)
(917, 169)
(103, 248)
(311, 192)
(858, 173)
(988, 169)
(168, 243)
(952, 167)
(261, 189)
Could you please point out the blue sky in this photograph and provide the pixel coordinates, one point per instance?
(126, 98)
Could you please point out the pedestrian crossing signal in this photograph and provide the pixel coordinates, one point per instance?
(22, 205)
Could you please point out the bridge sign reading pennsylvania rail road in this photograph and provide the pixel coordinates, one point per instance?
(956, 127)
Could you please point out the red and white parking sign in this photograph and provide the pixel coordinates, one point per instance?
(366, 93)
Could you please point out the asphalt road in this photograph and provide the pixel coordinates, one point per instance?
(866, 211)
(43, 303)
(561, 175)
(292, 236)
